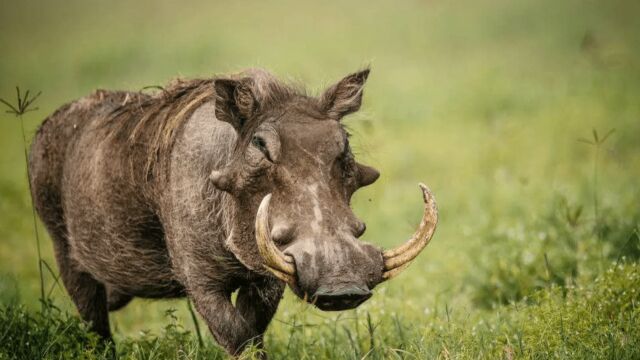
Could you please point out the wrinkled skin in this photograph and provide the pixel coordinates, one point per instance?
(137, 209)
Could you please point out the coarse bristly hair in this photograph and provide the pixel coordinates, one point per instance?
(151, 122)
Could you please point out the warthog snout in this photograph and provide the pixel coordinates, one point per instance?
(339, 272)
(335, 272)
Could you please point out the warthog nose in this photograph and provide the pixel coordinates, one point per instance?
(342, 298)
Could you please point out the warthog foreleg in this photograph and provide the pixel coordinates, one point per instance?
(258, 302)
(235, 327)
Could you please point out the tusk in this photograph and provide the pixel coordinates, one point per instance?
(279, 264)
(289, 279)
(398, 259)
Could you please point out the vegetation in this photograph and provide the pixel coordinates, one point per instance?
(600, 321)
(522, 117)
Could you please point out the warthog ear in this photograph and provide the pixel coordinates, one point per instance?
(235, 101)
(345, 97)
(366, 175)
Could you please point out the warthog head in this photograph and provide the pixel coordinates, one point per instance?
(291, 178)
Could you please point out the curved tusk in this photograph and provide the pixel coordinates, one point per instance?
(398, 259)
(279, 264)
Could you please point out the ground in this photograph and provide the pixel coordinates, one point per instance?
(500, 107)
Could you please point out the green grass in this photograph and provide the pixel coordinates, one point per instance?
(599, 321)
(485, 101)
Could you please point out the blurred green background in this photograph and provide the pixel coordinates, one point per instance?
(485, 101)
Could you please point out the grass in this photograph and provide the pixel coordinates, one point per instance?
(600, 321)
(485, 101)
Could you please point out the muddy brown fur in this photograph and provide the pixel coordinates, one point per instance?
(155, 196)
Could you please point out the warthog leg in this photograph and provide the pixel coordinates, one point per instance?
(258, 302)
(225, 322)
(117, 300)
(237, 327)
(88, 294)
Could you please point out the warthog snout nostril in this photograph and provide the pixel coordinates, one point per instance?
(340, 299)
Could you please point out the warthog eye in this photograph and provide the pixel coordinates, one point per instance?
(261, 145)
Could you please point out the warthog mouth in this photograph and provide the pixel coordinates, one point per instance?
(341, 299)
(283, 267)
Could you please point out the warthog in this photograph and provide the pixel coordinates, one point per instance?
(235, 183)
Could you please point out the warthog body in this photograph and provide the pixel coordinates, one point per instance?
(155, 196)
